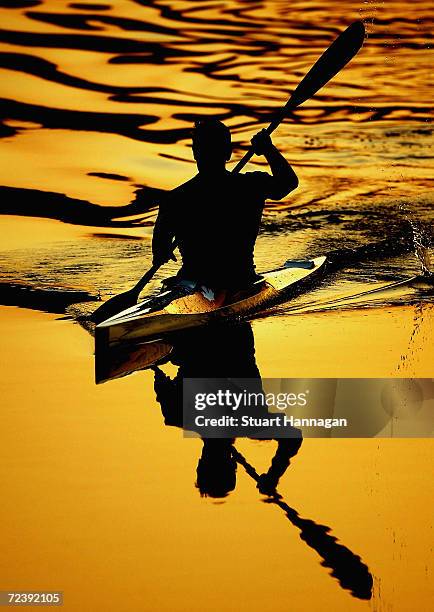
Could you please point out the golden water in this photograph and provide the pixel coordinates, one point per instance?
(97, 101)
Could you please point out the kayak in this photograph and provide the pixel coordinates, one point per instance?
(183, 306)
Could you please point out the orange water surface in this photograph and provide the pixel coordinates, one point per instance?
(98, 496)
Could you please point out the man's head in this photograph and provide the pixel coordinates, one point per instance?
(212, 146)
(217, 469)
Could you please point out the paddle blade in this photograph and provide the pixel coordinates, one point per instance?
(124, 300)
(340, 52)
(114, 305)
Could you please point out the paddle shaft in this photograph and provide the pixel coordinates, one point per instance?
(340, 52)
(249, 154)
(145, 279)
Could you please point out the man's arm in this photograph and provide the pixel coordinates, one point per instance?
(286, 449)
(162, 238)
(285, 179)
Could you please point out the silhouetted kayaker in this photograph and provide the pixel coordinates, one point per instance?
(214, 217)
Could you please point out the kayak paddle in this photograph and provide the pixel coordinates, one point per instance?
(347, 567)
(123, 300)
(340, 52)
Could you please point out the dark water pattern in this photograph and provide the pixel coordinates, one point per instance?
(254, 46)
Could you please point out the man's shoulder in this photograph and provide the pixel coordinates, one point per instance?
(256, 176)
(257, 183)
(182, 189)
(177, 195)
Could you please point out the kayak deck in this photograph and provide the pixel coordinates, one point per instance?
(178, 308)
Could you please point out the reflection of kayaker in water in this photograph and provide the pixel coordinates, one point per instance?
(214, 217)
(219, 351)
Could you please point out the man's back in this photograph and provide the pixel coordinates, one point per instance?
(215, 222)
